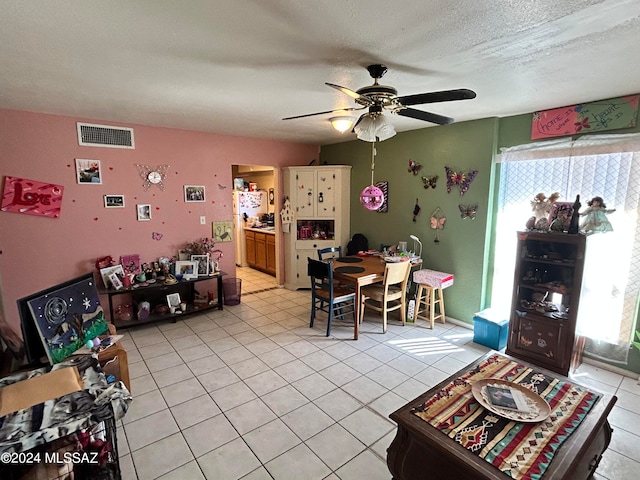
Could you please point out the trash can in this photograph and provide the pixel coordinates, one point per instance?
(231, 288)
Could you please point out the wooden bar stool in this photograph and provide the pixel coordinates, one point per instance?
(429, 296)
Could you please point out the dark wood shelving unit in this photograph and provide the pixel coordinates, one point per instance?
(546, 294)
(156, 294)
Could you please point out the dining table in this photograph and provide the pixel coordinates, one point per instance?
(358, 271)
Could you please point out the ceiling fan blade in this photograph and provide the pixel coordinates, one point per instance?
(351, 93)
(433, 97)
(353, 129)
(426, 116)
(349, 109)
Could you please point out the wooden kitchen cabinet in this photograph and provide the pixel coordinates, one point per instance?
(271, 254)
(261, 250)
(250, 241)
(546, 294)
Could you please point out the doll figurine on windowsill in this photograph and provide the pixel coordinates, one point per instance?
(596, 217)
(541, 207)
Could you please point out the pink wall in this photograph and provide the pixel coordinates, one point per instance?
(38, 252)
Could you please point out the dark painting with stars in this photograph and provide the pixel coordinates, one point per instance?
(67, 317)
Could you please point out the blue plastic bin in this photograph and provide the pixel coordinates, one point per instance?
(490, 329)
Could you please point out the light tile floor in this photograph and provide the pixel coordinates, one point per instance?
(252, 392)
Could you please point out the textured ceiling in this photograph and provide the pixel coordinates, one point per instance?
(239, 66)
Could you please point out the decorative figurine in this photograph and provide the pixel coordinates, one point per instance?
(573, 225)
(541, 206)
(596, 217)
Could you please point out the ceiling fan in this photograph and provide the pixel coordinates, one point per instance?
(379, 98)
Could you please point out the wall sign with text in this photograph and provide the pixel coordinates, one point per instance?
(31, 197)
(583, 118)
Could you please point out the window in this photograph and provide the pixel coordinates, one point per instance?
(607, 166)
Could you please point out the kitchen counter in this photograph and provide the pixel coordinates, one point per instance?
(267, 230)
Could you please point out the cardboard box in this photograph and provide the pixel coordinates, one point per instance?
(32, 391)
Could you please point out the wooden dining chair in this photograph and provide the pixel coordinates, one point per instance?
(389, 295)
(329, 252)
(337, 302)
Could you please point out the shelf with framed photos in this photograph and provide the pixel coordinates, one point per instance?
(546, 294)
(195, 294)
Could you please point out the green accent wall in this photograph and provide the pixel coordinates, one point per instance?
(463, 247)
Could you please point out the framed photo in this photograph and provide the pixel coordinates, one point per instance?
(173, 300)
(187, 268)
(144, 212)
(222, 231)
(114, 201)
(115, 281)
(194, 193)
(203, 264)
(106, 273)
(88, 172)
(563, 211)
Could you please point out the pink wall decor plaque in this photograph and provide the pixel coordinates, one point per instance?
(599, 116)
(31, 197)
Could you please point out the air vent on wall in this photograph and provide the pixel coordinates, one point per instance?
(105, 136)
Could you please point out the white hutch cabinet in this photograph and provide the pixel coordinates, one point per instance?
(320, 204)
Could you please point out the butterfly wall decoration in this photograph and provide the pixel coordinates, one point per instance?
(414, 167)
(460, 179)
(429, 181)
(468, 211)
(156, 236)
(437, 222)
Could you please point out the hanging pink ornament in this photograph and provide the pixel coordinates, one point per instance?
(372, 197)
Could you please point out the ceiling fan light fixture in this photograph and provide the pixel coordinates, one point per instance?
(385, 129)
(342, 124)
(374, 126)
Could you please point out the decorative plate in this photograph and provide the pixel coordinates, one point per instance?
(539, 409)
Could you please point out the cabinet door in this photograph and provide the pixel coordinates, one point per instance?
(261, 251)
(251, 248)
(305, 195)
(302, 278)
(271, 254)
(326, 193)
(542, 341)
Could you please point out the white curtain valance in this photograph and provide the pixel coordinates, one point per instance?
(566, 147)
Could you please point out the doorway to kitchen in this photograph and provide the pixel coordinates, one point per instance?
(256, 232)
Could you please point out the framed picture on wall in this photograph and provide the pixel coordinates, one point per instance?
(222, 231)
(114, 201)
(144, 212)
(194, 193)
(88, 172)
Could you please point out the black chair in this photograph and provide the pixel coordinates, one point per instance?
(358, 243)
(335, 301)
(329, 252)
